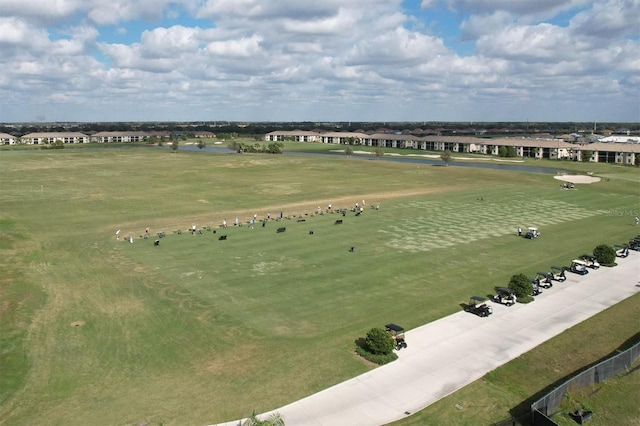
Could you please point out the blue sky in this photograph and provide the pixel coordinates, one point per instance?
(320, 60)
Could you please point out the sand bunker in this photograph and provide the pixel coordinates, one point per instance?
(577, 178)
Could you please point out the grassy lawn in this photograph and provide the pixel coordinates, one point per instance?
(193, 331)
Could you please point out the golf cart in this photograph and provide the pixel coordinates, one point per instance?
(532, 233)
(505, 296)
(397, 333)
(622, 250)
(558, 273)
(545, 279)
(590, 260)
(477, 305)
(634, 244)
(578, 267)
(535, 287)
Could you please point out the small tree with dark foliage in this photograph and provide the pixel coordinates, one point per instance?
(521, 285)
(378, 341)
(606, 255)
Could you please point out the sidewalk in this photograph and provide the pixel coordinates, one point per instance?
(448, 354)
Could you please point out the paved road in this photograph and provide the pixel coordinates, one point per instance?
(448, 354)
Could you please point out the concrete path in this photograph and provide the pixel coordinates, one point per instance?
(448, 354)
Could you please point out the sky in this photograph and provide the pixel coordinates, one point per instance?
(320, 60)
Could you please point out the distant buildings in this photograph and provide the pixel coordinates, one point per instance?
(603, 152)
(616, 149)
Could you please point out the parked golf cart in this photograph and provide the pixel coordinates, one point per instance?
(505, 296)
(558, 273)
(532, 233)
(477, 305)
(535, 287)
(634, 244)
(622, 250)
(590, 260)
(578, 267)
(545, 279)
(397, 332)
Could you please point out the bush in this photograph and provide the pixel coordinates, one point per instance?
(379, 342)
(526, 299)
(378, 359)
(521, 285)
(605, 254)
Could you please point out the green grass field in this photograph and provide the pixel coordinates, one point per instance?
(197, 330)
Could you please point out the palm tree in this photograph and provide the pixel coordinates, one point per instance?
(274, 419)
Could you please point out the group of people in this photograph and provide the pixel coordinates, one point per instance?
(359, 209)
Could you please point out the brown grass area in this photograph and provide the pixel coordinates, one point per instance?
(372, 198)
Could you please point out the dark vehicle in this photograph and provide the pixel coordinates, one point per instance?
(634, 244)
(622, 250)
(505, 296)
(545, 279)
(397, 332)
(558, 273)
(535, 287)
(477, 305)
(532, 233)
(590, 260)
(578, 267)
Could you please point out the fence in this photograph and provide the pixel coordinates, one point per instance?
(599, 372)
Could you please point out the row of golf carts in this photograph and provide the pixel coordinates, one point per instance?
(544, 280)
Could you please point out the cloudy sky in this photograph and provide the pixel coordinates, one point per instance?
(320, 60)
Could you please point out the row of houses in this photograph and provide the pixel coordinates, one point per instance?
(99, 137)
(601, 152)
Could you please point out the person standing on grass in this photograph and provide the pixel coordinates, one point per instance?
(224, 223)
(519, 232)
(118, 234)
(637, 220)
(251, 223)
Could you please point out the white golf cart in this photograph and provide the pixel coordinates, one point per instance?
(532, 233)
(578, 267)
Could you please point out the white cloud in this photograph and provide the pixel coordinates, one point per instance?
(331, 59)
(540, 8)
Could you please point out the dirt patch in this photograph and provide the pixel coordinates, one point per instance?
(77, 324)
(372, 199)
(577, 178)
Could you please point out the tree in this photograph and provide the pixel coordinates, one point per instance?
(521, 285)
(379, 152)
(378, 341)
(274, 419)
(348, 150)
(638, 160)
(275, 148)
(446, 157)
(174, 145)
(586, 156)
(606, 255)
(201, 144)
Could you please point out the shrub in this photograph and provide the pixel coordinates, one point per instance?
(526, 299)
(605, 254)
(521, 285)
(379, 342)
(378, 359)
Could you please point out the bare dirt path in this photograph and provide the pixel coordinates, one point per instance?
(214, 219)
